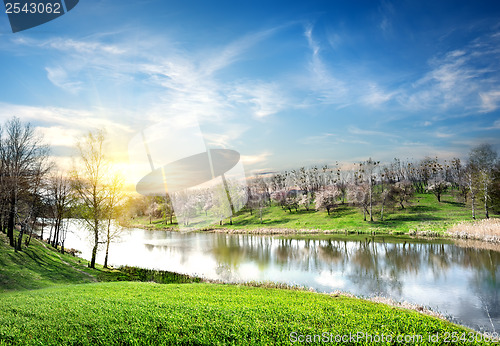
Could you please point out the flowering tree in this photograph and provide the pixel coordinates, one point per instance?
(438, 187)
(360, 195)
(327, 197)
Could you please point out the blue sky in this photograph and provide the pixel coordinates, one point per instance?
(285, 83)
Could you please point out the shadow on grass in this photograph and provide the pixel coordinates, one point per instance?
(455, 204)
(421, 209)
(341, 211)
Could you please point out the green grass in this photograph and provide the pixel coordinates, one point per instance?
(51, 299)
(424, 213)
(40, 266)
(191, 314)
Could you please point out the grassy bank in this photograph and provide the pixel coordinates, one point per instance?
(41, 266)
(424, 214)
(53, 299)
(147, 313)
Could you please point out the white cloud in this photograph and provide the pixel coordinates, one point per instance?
(490, 100)
(263, 98)
(60, 136)
(254, 159)
(357, 131)
(375, 96)
(328, 89)
(59, 77)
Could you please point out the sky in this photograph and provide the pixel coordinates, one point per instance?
(285, 83)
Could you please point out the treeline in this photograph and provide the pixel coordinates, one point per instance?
(475, 182)
(35, 195)
(369, 184)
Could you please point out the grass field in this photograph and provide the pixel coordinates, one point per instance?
(197, 314)
(51, 299)
(40, 266)
(424, 213)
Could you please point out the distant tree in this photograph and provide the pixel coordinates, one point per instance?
(367, 174)
(60, 197)
(495, 188)
(305, 200)
(327, 197)
(401, 192)
(385, 200)
(168, 209)
(438, 187)
(360, 195)
(482, 159)
(341, 180)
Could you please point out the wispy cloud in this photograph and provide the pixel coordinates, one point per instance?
(256, 158)
(327, 87)
(490, 100)
(357, 131)
(464, 79)
(375, 96)
(59, 77)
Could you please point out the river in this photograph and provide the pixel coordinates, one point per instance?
(459, 282)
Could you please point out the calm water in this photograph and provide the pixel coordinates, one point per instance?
(461, 282)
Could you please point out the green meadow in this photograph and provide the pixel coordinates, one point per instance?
(424, 213)
(53, 299)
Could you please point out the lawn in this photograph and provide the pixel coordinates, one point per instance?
(424, 213)
(47, 298)
(199, 314)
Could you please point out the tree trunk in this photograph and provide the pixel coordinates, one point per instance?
(108, 240)
(41, 233)
(473, 210)
(10, 224)
(20, 238)
(107, 253)
(371, 187)
(96, 242)
(486, 200)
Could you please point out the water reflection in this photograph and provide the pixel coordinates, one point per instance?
(456, 280)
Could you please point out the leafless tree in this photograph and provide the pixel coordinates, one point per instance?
(112, 204)
(60, 197)
(482, 159)
(89, 185)
(23, 164)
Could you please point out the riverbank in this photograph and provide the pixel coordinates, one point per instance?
(151, 314)
(423, 217)
(50, 298)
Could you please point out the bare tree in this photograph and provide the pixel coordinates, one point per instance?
(114, 197)
(367, 173)
(89, 184)
(22, 157)
(438, 187)
(401, 192)
(482, 159)
(359, 194)
(60, 197)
